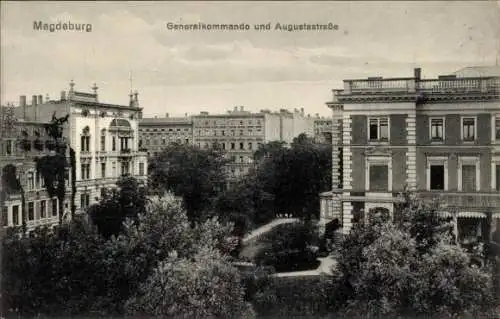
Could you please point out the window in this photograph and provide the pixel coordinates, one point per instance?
(468, 174)
(125, 168)
(163, 141)
(43, 209)
(468, 129)
(469, 178)
(378, 172)
(15, 215)
(250, 146)
(113, 169)
(437, 177)
(223, 133)
(103, 170)
(241, 146)
(379, 178)
(497, 176)
(84, 201)
(8, 147)
(241, 132)
(85, 143)
(241, 159)
(378, 129)
(85, 171)
(103, 140)
(31, 211)
(141, 169)
(187, 141)
(123, 143)
(31, 181)
(437, 129)
(5, 216)
(232, 146)
(54, 207)
(113, 143)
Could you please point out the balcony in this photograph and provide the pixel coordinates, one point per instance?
(411, 87)
(482, 201)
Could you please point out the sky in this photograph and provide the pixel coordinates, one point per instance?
(180, 72)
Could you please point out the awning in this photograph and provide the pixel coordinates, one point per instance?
(467, 214)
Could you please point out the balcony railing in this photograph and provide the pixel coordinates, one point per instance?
(461, 85)
(465, 200)
(411, 85)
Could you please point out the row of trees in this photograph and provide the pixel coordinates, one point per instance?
(283, 180)
(157, 264)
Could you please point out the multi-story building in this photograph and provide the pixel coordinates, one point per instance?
(322, 129)
(156, 133)
(435, 137)
(21, 141)
(104, 137)
(240, 132)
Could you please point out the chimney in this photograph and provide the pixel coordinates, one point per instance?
(317, 115)
(33, 100)
(241, 108)
(22, 101)
(417, 73)
(236, 109)
(185, 114)
(22, 104)
(40, 99)
(63, 95)
(166, 114)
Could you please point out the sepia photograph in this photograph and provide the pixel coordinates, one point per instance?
(250, 159)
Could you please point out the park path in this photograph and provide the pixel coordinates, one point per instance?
(267, 227)
(325, 268)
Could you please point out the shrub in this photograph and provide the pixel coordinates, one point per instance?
(290, 247)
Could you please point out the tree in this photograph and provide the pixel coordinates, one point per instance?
(296, 176)
(204, 286)
(128, 200)
(409, 267)
(77, 272)
(246, 204)
(197, 175)
(54, 167)
(269, 149)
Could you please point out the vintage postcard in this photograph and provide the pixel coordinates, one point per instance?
(250, 159)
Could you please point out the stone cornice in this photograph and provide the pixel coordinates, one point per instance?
(417, 98)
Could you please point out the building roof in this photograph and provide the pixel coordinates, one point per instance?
(478, 71)
(165, 121)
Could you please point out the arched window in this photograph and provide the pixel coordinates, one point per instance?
(85, 140)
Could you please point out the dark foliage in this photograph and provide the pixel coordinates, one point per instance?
(126, 201)
(290, 247)
(197, 175)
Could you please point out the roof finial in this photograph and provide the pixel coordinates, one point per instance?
(95, 87)
(71, 85)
